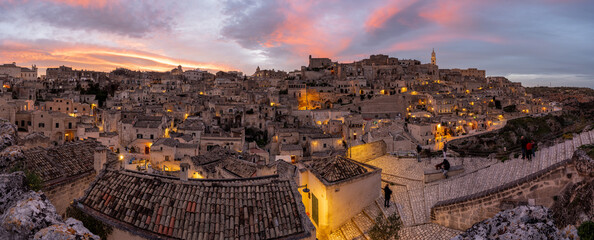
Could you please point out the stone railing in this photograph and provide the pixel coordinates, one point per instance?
(535, 189)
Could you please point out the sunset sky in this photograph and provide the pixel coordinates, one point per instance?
(536, 42)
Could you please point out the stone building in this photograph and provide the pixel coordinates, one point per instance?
(14, 71)
(67, 170)
(338, 184)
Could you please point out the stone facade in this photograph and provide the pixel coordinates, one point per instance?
(535, 189)
(62, 195)
(366, 152)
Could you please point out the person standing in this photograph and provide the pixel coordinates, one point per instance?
(523, 142)
(529, 151)
(419, 149)
(387, 196)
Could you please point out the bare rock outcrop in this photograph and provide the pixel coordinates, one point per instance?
(28, 214)
(9, 151)
(71, 229)
(523, 222)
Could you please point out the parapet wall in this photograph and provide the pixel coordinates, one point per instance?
(538, 188)
(368, 151)
(61, 195)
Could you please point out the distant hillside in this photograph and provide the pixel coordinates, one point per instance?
(577, 116)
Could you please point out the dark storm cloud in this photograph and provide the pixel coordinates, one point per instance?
(251, 22)
(126, 18)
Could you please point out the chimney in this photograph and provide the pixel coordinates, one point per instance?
(99, 158)
(183, 172)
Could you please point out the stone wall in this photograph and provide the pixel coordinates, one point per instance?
(62, 194)
(368, 151)
(535, 189)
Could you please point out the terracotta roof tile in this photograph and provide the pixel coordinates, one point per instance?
(251, 208)
(61, 161)
(337, 168)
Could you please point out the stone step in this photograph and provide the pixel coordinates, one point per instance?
(336, 235)
(585, 136)
(577, 141)
(417, 202)
(568, 149)
(542, 159)
(526, 168)
(518, 170)
(386, 211)
(559, 156)
(350, 230)
(552, 156)
(373, 211)
(363, 222)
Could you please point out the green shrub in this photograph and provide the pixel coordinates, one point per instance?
(33, 181)
(586, 231)
(385, 229)
(567, 136)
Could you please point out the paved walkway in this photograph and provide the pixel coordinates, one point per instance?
(414, 199)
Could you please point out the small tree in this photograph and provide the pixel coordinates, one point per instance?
(586, 230)
(385, 229)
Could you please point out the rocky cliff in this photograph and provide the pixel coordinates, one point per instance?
(27, 214)
(523, 222)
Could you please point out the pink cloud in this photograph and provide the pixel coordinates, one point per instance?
(426, 41)
(85, 3)
(301, 31)
(94, 57)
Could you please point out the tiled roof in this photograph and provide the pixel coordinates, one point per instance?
(166, 208)
(62, 161)
(239, 167)
(337, 168)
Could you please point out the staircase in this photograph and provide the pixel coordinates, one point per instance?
(358, 227)
(501, 173)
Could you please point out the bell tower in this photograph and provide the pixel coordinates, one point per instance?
(433, 58)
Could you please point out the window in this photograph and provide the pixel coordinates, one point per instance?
(324, 145)
(22, 123)
(28, 123)
(41, 125)
(152, 137)
(69, 125)
(139, 136)
(303, 138)
(67, 109)
(51, 108)
(57, 125)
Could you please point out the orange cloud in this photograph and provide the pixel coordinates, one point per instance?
(96, 58)
(379, 17)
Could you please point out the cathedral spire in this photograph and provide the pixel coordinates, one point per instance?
(433, 58)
